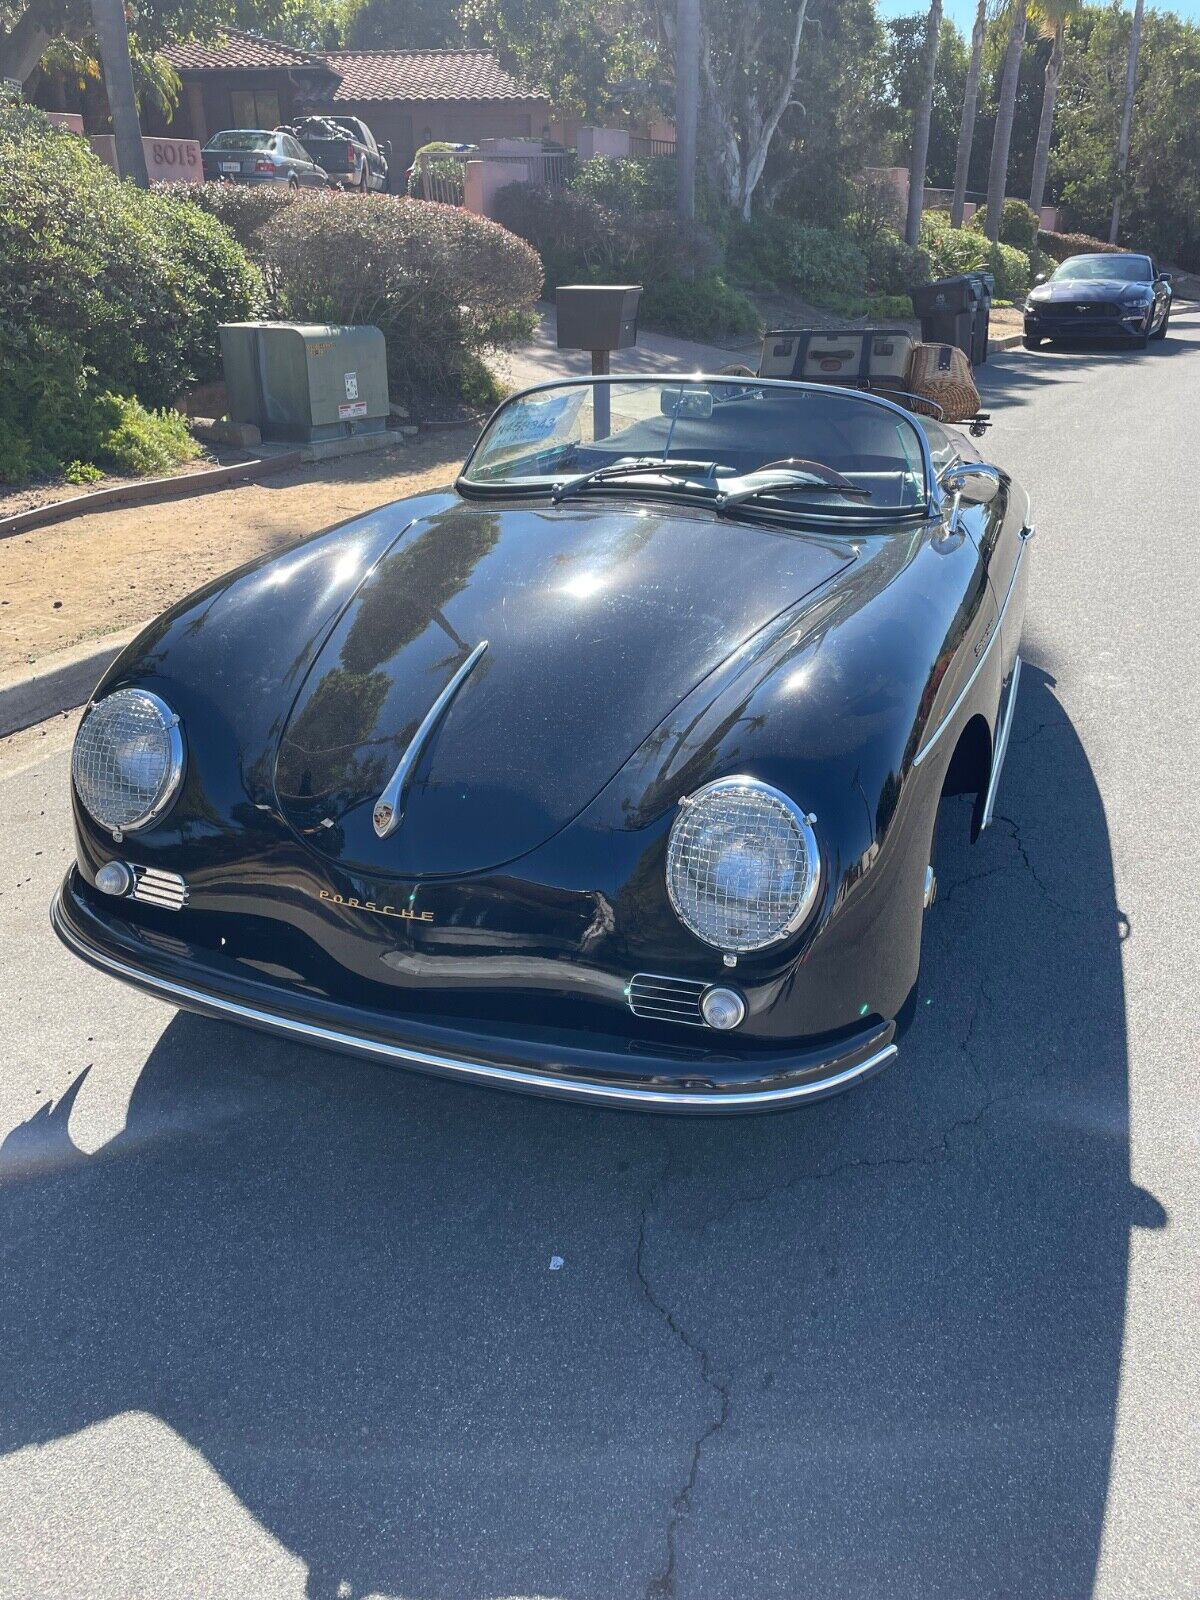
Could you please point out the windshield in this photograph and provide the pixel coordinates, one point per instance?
(786, 447)
(1122, 269)
(240, 139)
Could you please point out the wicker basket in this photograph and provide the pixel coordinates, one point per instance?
(941, 374)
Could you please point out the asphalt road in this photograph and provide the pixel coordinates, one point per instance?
(276, 1324)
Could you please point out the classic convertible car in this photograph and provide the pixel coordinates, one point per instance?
(611, 773)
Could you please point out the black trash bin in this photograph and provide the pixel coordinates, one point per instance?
(986, 285)
(947, 309)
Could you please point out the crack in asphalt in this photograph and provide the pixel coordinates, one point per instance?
(1070, 911)
(662, 1585)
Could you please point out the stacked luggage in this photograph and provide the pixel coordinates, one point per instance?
(934, 380)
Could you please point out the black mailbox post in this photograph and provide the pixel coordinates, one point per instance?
(600, 317)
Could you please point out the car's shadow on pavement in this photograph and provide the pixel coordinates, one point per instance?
(452, 1344)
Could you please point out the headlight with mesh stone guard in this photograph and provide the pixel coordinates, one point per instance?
(128, 760)
(743, 868)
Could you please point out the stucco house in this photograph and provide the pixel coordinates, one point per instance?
(407, 96)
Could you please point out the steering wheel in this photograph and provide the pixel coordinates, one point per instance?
(814, 469)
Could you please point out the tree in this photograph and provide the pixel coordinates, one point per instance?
(1131, 67)
(920, 143)
(401, 24)
(1053, 17)
(750, 59)
(112, 36)
(687, 102)
(598, 56)
(1006, 106)
(966, 127)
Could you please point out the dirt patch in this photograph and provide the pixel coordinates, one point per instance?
(46, 494)
(96, 574)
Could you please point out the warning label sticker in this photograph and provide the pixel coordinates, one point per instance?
(352, 408)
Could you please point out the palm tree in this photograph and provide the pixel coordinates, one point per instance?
(921, 122)
(1053, 19)
(966, 127)
(1005, 110)
(1131, 66)
(112, 37)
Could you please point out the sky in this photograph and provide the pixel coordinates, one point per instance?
(962, 12)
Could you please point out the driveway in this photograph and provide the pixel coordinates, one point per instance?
(278, 1324)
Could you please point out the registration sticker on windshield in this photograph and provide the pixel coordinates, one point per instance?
(534, 421)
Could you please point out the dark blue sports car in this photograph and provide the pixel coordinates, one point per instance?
(1109, 296)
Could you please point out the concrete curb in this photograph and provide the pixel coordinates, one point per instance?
(149, 491)
(1010, 341)
(59, 682)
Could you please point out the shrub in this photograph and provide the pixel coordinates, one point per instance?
(582, 240)
(137, 442)
(442, 285)
(1018, 224)
(1058, 246)
(758, 252)
(825, 266)
(954, 250)
(704, 307)
(244, 208)
(103, 288)
(627, 183)
(893, 267)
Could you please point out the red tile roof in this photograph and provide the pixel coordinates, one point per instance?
(239, 51)
(425, 75)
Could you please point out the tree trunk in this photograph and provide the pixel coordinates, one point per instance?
(1041, 155)
(1131, 66)
(1005, 110)
(687, 100)
(966, 127)
(921, 121)
(22, 47)
(112, 36)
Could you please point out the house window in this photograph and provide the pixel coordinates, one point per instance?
(255, 108)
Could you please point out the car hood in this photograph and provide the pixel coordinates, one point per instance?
(1087, 291)
(599, 619)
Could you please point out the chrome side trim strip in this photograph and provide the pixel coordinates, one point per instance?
(1001, 750)
(389, 808)
(978, 668)
(479, 1072)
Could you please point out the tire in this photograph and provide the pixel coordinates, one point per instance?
(1161, 331)
(1139, 341)
(293, 185)
(363, 183)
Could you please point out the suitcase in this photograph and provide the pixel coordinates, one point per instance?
(851, 356)
(942, 374)
(878, 357)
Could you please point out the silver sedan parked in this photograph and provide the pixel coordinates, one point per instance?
(257, 155)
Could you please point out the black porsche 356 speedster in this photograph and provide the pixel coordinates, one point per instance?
(611, 773)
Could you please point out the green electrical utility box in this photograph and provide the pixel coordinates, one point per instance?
(305, 381)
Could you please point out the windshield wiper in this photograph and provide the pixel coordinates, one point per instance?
(626, 469)
(788, 483)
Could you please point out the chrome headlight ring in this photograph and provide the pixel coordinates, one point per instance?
(128, 760)
(743, 865)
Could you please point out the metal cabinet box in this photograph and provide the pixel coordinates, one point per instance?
(597, 316)
(304, 381)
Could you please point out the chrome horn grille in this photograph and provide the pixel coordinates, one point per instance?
(666, 999)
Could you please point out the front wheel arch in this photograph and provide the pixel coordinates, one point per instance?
(971, 768)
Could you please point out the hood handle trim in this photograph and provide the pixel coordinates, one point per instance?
(389, 808)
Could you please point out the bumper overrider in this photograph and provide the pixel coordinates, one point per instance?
(584, 1065)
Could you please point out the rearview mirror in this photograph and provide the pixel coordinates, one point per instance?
(693, 404)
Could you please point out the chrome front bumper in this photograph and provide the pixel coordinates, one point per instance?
(595, 1076)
